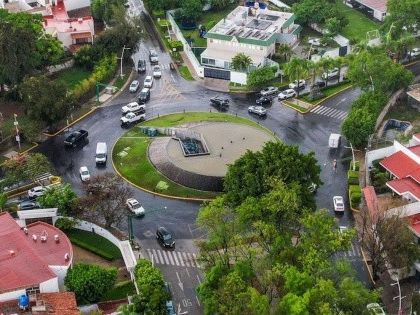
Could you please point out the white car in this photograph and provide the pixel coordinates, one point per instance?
(131, 107)
(286, 94)
(157, 72)
(135, 207)
(148, 81)
(295, 85)
(315, 41)
(338, 203)
(414, 52)
(36, 191)
(84, 174)
(269, 91)
(134, 86)
(258, 110)
(331, 74)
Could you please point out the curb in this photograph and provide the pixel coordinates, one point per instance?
(334, 94)
(121, 89)
(367, 265)
(285, 103)
(31, 148)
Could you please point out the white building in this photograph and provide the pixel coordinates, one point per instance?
(251, 31)
(376, 8)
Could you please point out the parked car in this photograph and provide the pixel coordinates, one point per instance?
(153, 56)
(141, 66)
(164, 237)
(36, 192)
(414, 52)
(134, 86)
(135, 207)
(76, 137)
(334, 140)
(264, 100)
(28, 205)
(132, 107)
(338, 203)
(144, 95)
(132, 118)
(269, 91)
(297, 85)
(257, 110)
(319, 84)
(375, 309)
(289, 93)
(220, 103)
(331, 74)
(170, 309)
(157, 72)
(84, 174)
(148, 81)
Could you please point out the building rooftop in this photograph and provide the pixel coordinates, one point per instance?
(24, 261)
(414, 91)
(228, 55)
(249, 23)
(401, 165)
(379, 5)
(405, 185)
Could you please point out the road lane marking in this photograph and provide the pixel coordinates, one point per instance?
(166, 258)
(198, 278)
(190, 259)
(160, 256)
(170, 258)
(180, 259)
(198, 301)
(185, 259)
(196, 260)
(176, 259)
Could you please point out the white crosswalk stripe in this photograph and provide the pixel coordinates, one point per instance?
(353, 252)
(329, 112)
(174, 258)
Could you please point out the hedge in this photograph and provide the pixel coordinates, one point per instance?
(164, 24)
(158, 14)
(353, 177)
(176, 44)
(354, 189)
(357, 165)
(355, 199)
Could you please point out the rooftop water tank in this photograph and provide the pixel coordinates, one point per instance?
(23, 302)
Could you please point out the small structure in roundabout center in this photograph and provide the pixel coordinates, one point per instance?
(197, 155)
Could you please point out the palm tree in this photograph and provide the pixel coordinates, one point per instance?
(315, 70)
(241, 62)
(339, 62)
(285, 51)
(297, 69)
(326, 64)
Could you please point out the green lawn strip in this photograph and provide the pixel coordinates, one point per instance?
(119, 83)
(300, 109)
(120, 291)
(72, 76)
(185, 73)
(327, 93)
(94, 243)
(358, 23)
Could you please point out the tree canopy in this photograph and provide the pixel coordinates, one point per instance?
(61, 197)
(260, 76)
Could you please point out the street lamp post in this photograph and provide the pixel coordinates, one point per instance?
(16, 123)
(122, 56)
(399, 297)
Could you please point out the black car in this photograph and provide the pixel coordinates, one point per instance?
(264, 100)
(319, 84)
(76, 137)
(220, 103)
(144, 96)
(164, 237)
(141, 65)
(29, 205)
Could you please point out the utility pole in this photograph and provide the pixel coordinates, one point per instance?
(17, 130)
(122, 57)
(399, 297)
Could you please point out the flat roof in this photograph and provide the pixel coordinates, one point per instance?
(379, 5)
(414, 92)
(228, 55)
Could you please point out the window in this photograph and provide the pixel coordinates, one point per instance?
(208, 61)
(33, 290)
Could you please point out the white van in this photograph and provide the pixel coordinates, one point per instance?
(101, 153)
(334, 141)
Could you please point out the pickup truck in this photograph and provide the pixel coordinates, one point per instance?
(220, 103)
(132, 118)
(76, 137)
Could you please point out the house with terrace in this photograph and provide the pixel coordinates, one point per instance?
(249, 30)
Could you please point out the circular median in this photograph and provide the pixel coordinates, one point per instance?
(189, 154)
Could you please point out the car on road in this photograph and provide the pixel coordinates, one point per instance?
(157, 72)
(220, 103)
(144, 95)
(134, 86)
(141, 66)
(76, 137)
(170, 309)
(297, 85)
(84, 174)
(28, 205)
(375, 309)
(153, 56)
(148, 81)
(316, 42)
(415, 52)
(264, 100)
(318, 84)
(338, 203)
(269, 91)
(257, 110)
(36, 191)
(164, 237)
(289, 93)
(135, 207)
(132, 118)
(132, 107)
(331, 74)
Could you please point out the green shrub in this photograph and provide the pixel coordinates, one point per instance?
(357, 165)
(355, 189)
(158, 14)
(164, 25)
(209, 25)
(355, 199)
(353, 177)
(66, 224)
(176, 44)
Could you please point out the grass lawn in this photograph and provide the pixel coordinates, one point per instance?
(327, 92)
(94, 243)
(185, 73)
(120, 291)
(300, 109)
(72, 76)
(120, 82)
(358, 24)
(136, 166)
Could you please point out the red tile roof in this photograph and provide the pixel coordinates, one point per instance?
(371, 202)
(405, 185)
(414, 222)
(24, 262)
(379, 5)
(400, 165)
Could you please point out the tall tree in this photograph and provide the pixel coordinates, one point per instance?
(260, 76)
(358, 126)
(297, 69)
(241, 62)
(326, 64)
(403, 15)
(285, 51)
(61, 197)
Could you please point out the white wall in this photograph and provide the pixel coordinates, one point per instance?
(238, 77)
(49, 286)
(60, 272)
(379, 154)
(378, 15)
(11, 295)
(88, 226)
(76, 4)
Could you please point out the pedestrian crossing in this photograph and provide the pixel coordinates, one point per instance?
(329, 112)
(353, 253)
(173, 258)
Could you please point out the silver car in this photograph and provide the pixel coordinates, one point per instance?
(289, 93)
(258, 110)
(134, 86)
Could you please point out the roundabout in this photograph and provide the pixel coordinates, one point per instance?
(188, 154)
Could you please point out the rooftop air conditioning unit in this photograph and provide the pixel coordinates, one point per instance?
(43, 238)
(57, 238)
(34, 237)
